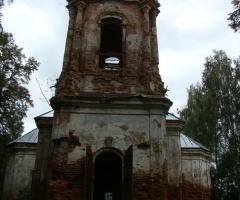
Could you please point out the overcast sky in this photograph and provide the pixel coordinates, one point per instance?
(188, 31)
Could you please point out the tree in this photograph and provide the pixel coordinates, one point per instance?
(15, 72)
(1, 6)
(234, 17)
(212, 117)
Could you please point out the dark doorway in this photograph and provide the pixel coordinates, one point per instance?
(108, 177)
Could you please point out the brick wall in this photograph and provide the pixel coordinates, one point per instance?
(67, 180)
(153, 187)
(195, 191)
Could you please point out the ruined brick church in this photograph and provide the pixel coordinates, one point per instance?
(110, 136)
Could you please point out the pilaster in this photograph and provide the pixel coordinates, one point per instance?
(154, 42)
(77, 36)
(146, 38)
(69, 40)
(44, 125)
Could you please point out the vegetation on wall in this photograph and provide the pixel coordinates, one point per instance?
(212, 115)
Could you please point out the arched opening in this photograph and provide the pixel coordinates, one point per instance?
(111, 43)
(108, 177)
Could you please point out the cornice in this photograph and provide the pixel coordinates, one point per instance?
(112, 100)
(43, 122)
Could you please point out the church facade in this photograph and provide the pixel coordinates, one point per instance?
(108, 138)
(188, 156)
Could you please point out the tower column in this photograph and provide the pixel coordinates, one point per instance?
(77, 36)
(146, 38)
(154, 43)
(69, 40)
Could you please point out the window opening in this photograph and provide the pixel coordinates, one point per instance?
(111, 44)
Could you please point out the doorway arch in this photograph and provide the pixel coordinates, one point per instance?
(108, 177)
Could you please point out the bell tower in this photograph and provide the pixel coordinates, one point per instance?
(109, 126)
(111, 47)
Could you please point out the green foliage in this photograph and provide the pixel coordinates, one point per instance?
(234, 17)
(212, 117)
(1, 6)
(15, 72)
(197, 106)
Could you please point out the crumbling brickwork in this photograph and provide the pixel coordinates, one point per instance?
(70, 185)
(153, 187)
(195, 191)
(67, 181)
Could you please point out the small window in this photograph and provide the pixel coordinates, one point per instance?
(108, 196)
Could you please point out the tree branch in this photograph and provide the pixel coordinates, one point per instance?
(42, 92)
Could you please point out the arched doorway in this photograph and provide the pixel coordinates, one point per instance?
(108, 177)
